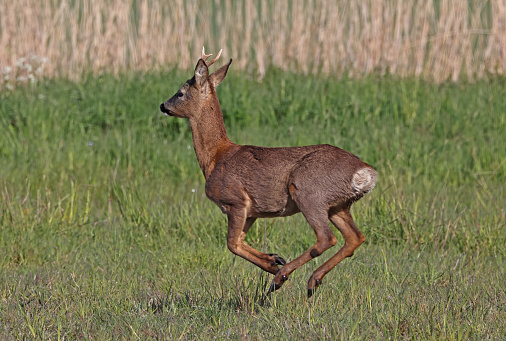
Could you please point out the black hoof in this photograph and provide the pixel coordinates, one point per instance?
(277, 260)
(310, 291)
(273, 288)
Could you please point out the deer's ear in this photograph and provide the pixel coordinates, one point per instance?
(201, 72)
(219, 75)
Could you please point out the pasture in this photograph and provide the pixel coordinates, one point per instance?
(106, 232)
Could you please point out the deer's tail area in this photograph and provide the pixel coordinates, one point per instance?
(363, 181)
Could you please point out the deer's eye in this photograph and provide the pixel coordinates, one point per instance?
(180, 94)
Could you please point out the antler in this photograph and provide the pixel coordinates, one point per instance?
(205, 56)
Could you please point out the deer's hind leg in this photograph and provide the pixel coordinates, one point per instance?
(353, 238)
(325, 238)
(238, 226)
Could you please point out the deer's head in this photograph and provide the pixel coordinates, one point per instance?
(198, 91)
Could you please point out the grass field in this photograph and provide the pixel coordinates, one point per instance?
(106, 231)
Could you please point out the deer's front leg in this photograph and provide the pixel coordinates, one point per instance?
(238, 226)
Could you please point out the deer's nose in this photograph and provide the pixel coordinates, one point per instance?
(165, 110)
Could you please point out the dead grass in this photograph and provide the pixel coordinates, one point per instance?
(437, 40)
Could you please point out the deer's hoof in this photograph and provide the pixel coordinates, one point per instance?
(273, 288)
(277, 260)
(312, 285)
(279, 280)
(277, 283)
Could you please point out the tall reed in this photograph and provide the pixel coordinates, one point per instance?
(437, 40)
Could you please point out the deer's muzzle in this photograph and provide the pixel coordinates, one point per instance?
(165, 111)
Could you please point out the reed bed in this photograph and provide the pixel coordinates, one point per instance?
(437, 40)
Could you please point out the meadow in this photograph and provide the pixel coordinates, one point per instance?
(106, 232)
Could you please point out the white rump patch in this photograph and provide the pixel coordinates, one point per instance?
(363, 180)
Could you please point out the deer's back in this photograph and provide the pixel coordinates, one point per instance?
(265, 178)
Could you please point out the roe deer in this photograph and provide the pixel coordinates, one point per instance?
(250, 182)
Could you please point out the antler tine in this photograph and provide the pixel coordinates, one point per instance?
(216, 58)
(205, 56)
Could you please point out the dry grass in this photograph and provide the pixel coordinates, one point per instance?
(438, 40)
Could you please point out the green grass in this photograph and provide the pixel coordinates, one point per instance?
(117, 240)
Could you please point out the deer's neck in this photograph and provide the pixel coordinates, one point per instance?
(210, 138)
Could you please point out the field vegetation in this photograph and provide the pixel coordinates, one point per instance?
(106, 231)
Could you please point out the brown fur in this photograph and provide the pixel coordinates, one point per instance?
(250, 182)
